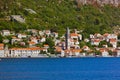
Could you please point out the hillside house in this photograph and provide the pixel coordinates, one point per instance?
(19, 35)
(95, 42)
(2, 50)
(41, 33)
(104, 52)
(5, 32)
(118, 52)
(47, 32)
(113, 42)
(35, 39)
(43, 39)
(31, 43)
(86, 48)
(15, 40)
(55, 34)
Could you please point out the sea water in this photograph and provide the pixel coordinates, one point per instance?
(60, 69)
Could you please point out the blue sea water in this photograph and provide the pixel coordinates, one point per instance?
(60, 69)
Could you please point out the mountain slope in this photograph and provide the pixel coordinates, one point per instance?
(58, 14)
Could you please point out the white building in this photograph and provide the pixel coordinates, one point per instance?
(113, 42)
(41, 33)
(5, 32)
(21, 35)
(118, 51)
(95, 42)
(43, 39)
(1, 50)
(47, 32)
(25, 52)
(104, 52)
(14, 40)
(54, 34)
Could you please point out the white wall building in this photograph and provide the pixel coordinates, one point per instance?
(25, 52)
(1, 50)
(5, 32)
(21, 35)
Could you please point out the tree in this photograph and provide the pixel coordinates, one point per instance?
(51, 44)
(110, 52)
(82, 43)
(1, 37)
(118, 44)
(97, 52)
(118, 36)
(102, 43)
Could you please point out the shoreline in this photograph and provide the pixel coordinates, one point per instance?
(54, 57)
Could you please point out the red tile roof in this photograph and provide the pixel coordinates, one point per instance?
(33, 48)
(113, 40)
(74, 34)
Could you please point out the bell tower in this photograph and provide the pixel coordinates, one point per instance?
(67, 39)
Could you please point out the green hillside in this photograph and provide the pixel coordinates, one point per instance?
(58, 14)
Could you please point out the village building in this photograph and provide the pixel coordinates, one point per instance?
(15, 40)
(46, 46)
(2, 50)
(19, 35)
(47, 32)
(35, 39)
(86, 48)
(25, 52)
(41, 33)
(31, 43)
(92, 36)
(118, 52)
(113, 42)
(5, 32)
(43, 39)
(55, 34)
(5, 40)
(104, 52)
(68, 45)
(95, 42)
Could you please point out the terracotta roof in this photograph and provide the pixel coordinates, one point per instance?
(1, 45)
(58, 49)
(103, 49)
(105, 35)
(74, 34)
(113, 40)
(76, 50)
(34, 48)
(31, 42)
(67, 51)
(73, 50)
(14, 37)
(96, 40)
(84, 47)
(46, 45)
(1, 49)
